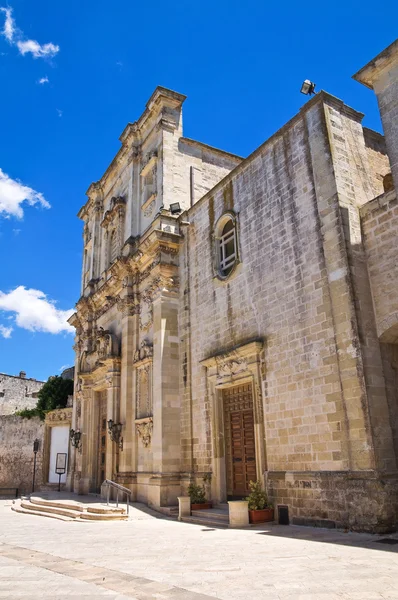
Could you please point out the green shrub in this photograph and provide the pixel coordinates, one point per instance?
(258, 498)
(53, 394)
(197, 493)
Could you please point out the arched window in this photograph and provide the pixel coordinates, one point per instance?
(227, 247)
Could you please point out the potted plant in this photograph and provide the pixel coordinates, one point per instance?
(197, 494)
(260, 511)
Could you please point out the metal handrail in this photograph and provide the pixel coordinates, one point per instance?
(119, 488)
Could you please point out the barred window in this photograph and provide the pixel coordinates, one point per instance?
(226, 240)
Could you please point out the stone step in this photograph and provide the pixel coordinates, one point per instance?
(91, 516)
(214, 514)
(56, 510)
(211, 523)
(105, 510)
(18, 508)
(68, 504)
(170, 511)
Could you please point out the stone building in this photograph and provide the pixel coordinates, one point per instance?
(18, 392)
(238, 318)
(17, 435)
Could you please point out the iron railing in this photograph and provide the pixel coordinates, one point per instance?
(119, 488)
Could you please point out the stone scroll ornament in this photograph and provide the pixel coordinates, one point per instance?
(231, 367)
(144, 430)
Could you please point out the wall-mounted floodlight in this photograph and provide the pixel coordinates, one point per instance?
(308, 87)
(175, 208)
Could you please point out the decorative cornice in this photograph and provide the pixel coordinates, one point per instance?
(59, 415)
(234, 357)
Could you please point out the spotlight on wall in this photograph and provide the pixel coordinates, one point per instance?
(308, 87)
(115, 431)
(175, 208)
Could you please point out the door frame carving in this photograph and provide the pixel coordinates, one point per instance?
(239, 366)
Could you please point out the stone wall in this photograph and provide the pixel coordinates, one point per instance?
(17, 393)
(293, 291)
(379, 220)
(16, 452)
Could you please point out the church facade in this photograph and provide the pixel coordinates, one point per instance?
(238, 318)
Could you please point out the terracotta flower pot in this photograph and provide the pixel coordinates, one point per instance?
(203, 506)
(261, 516)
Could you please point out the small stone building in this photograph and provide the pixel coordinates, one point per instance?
(17, 392)
(238, 318)
(17, 436)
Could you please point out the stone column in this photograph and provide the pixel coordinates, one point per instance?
(85, 483)
(113, 412)
(129, 308)
(166, 400)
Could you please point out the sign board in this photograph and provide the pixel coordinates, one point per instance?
(60, 465)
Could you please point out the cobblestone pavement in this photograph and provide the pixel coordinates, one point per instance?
(155, 558)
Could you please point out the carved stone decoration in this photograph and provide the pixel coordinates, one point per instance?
(144, 429)
(149, 209)
(144, 392)
(144, 351)
(116, 208)
(106, 346)
(129, 305)
(231, 367)
(146, 312)
(59, 415)
(144, 274)
(110, 301)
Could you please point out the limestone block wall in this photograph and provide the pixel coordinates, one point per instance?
(17, 393)
(16, 452)
(191, 169)
(280, 293)
(293, 290)
(376, 151)
(379, 220)
(386, 88)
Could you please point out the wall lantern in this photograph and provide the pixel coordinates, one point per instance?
(75, 439)
(115, 430)
(308, 87)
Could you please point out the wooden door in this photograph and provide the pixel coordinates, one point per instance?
(240, 443)
(102, 440)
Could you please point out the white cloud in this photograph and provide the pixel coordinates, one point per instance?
(37, 50)
(5, 331)
(34, 311)
(13, 193)
(60, 112)
(65, 367)
(43, 80)
(9, 25)
(16, 38)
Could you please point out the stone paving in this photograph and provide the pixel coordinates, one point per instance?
(149, 557)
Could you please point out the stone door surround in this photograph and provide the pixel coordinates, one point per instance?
(240, 365)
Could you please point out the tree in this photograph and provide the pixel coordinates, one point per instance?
(53, 394)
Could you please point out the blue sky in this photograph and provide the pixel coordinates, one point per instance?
(241, 65)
